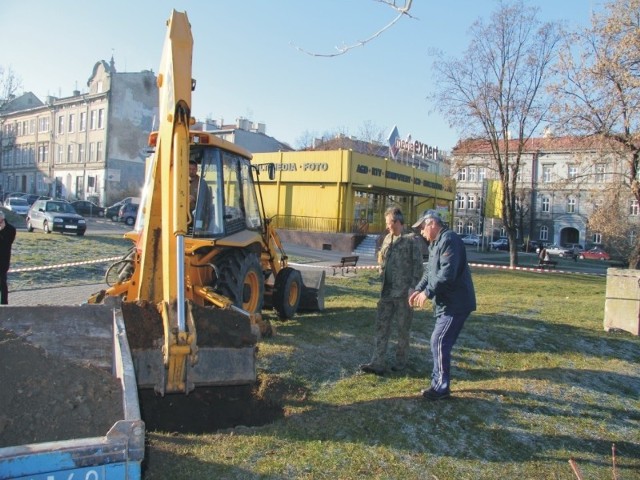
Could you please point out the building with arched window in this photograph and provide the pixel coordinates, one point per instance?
(561, 183)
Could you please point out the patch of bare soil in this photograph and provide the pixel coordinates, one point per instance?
(210, 409)
(206, 409)
(47, 398)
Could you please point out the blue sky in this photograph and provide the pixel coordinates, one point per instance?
(245, 62)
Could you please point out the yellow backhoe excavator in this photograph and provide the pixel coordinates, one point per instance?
(204, 260)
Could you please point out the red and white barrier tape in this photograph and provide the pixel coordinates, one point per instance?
(62, 265)
(479, 265)
(328, 267)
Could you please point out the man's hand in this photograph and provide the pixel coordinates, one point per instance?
(417, 299)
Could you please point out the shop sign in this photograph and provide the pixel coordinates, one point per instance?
(399, 177)
(298, 167)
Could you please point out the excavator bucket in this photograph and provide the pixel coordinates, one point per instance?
(225, 354)
(312, 296)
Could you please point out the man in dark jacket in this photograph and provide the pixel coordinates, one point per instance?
(7, 236)
(447, 283)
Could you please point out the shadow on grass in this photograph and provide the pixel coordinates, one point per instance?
(169, 463)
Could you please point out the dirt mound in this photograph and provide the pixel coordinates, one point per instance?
(47, 398)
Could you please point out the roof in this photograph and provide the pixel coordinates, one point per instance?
(23, 102)
(348, 143)
(566, 143)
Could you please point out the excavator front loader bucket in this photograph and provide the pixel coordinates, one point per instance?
(312, 296)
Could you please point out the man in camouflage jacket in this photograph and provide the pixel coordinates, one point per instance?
(401, 268)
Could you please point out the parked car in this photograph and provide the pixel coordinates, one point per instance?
(500, 244)
(112, 211)
(84, 207)
(30, 198)
(531, 246)
(471, 239)
(6, 196)
(17, 205)
(55, 216)
(128, 213)
(560, 251)
(596, 253)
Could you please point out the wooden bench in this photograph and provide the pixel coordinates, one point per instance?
(345, 264)
(547, 264)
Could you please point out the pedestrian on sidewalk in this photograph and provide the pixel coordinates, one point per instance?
(447, 283)
(7, 236)
(400, 263)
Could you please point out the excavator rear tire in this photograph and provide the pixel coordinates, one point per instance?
(241, 279)
(287, 290)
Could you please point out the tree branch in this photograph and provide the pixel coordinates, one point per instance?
(402, 11)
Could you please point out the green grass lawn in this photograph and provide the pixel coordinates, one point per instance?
(536, 381)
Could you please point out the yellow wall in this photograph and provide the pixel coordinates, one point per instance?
(317, 187)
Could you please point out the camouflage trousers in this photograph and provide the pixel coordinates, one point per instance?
(398, 311)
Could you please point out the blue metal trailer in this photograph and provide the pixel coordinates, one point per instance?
(116, 455)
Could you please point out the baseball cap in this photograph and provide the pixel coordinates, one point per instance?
(426, 215)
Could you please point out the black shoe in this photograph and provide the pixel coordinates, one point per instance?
(370, 368)
(431, 395)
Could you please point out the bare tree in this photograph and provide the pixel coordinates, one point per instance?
(401, 9)
(10, 84)
(495, 92)
(598, 95)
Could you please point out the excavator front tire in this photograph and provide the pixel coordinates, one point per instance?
(287, 290)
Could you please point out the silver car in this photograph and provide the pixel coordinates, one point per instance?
(55, 216)
(17, 205)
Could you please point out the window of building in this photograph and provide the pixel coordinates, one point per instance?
(600, 173)
(546, 174)
(99, 152)
(633, 207)
(60, 125)
(72, 122)
(462, 175)
(482, 174)
(32, 126)
(43, 153)
(19, 133)
(571, 205)
(472, 174)
(596, 238)
(573, 171)
(32, 153)
(93, 120)
(92, 152)
(544, 233)
(460, 201)
(43, 124)
(459, 227)
(472, 202)
(470, 228)
(60, 154)
(69, 153)
(546, 204)
(83, 121)
(80, 153)
(101, 118)
(503, 232)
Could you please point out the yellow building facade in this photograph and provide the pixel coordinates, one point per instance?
(345, 192)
